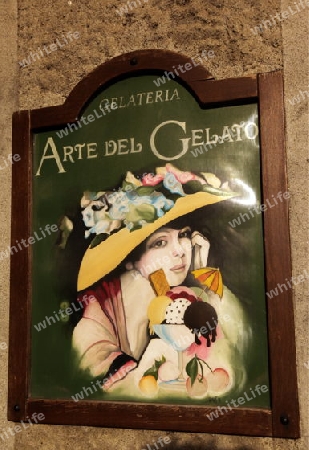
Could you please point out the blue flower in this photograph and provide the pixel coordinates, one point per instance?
(119, 205)
(162, 204)
(172, 184)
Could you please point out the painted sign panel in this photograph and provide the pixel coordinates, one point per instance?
(148, 270)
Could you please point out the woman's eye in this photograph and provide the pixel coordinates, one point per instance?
(158, 244)
(185, 234)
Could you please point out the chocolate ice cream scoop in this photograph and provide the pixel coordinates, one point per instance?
(202, 320)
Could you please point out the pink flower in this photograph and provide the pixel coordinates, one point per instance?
(182, 177)
(151, 180)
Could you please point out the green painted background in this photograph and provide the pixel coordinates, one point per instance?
(237, 251)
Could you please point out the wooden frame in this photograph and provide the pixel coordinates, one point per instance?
(283, 418)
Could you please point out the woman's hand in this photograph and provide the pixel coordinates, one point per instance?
(200, 247)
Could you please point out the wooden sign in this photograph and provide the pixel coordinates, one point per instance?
(150, 281)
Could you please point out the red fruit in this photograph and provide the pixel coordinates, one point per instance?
(218, 380)
(199, 387)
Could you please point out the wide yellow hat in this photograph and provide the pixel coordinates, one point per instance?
(101, 259)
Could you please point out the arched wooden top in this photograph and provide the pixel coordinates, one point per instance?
(198, 80)
(136, 63)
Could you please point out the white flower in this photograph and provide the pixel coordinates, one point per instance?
(96, 216)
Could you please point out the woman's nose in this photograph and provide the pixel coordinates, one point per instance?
(178, 249)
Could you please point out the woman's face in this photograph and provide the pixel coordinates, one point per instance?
(170, 250)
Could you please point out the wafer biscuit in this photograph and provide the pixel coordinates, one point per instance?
(159, 282)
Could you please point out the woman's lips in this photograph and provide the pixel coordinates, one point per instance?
(178, 268)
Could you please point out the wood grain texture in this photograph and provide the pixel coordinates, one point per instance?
(267, 90)
(281, 329)
(20, 287)
(243, 421)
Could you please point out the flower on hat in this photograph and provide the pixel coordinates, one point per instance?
(183, 177)
(151, 180)
(130, 178)
(95, 215)
(140, 202)
(172, 184)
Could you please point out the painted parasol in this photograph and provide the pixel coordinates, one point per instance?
(211, 278)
